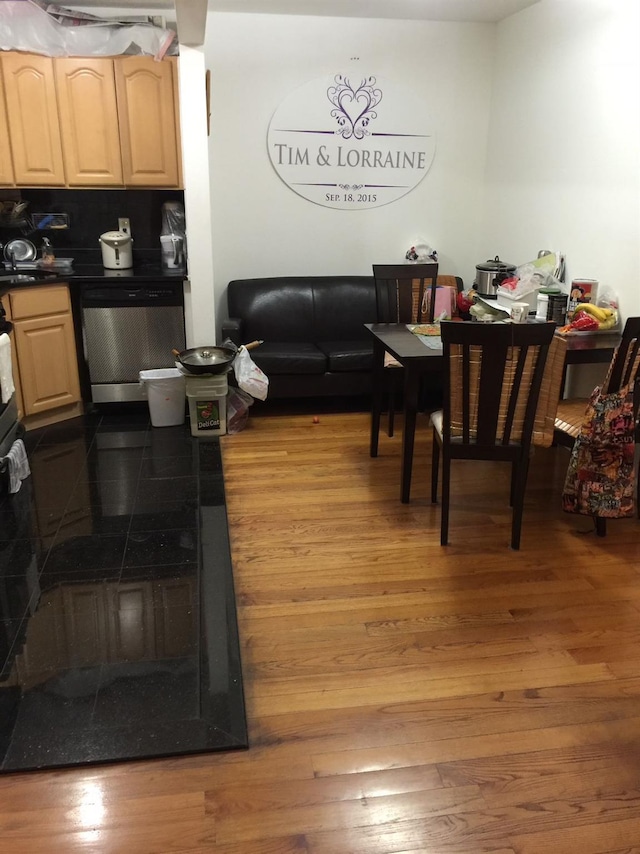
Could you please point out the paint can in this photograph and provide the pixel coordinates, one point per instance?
(582, 290)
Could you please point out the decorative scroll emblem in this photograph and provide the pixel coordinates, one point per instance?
(362, 151)
(354, 107)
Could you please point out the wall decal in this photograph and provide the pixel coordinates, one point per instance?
(351, 141)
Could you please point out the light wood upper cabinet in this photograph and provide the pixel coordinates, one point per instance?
(88, 121)
(148, 121)
(6, 163)
(33, 119)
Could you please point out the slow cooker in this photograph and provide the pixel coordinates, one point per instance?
(490, 274)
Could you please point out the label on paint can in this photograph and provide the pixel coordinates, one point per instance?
(582, 290)
(207, 415)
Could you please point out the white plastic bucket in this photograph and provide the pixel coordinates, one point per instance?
(165, 393)
(207, 396)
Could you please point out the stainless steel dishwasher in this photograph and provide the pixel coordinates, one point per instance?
(127, 329)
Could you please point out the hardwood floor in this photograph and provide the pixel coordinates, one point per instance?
(402, 697)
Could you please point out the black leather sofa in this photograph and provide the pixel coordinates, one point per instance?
(313, 331)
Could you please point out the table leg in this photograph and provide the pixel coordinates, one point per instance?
(376, 396)
(563, 382)
(411, 392)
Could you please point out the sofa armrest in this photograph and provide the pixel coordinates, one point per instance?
(232, 328)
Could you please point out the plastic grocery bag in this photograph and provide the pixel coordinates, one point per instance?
(249, 376)
(40, 27)
(238, 403)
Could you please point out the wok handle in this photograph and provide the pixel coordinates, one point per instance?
(252, 345)
(175, 353)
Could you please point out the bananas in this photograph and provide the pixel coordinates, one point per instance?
(609, 323)
(600, 314)
(605, 316)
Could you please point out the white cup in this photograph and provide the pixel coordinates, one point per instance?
(519, 312)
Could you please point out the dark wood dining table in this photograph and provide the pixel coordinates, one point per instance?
(418, 359)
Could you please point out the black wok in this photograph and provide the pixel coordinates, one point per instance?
(209, 360)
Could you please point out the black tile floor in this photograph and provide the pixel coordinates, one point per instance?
(118, 632)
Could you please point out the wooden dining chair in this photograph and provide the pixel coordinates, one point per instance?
(624, 369)
(400, 298)
(400, 290)
(493, 376)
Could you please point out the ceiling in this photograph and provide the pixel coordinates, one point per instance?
(429, 10)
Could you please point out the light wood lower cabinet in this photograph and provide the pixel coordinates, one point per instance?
(48, 369)
(6, 304)
(45, 350)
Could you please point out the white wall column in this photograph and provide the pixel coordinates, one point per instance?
(200, 316)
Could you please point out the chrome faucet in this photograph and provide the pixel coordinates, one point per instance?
(12, 258)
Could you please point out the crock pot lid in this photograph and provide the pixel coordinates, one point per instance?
(495, 266)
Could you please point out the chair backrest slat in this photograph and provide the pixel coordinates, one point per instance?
(513, 395)
(400, 291)
(466, 391)
(489, 392)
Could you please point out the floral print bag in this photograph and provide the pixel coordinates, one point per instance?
(600, 480)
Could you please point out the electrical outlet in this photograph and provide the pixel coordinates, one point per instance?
(124, 225)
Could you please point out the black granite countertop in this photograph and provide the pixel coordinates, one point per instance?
(141, 271)
(85, 272)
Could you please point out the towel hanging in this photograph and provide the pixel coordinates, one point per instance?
(18, 465)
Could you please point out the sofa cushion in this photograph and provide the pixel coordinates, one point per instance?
(276, 309)
(348, 355)
(275, 357)
(342, 306)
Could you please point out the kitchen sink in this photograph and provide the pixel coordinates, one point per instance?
(17, 277)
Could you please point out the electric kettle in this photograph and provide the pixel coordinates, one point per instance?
(117, 251)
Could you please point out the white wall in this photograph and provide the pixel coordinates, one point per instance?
(260, 226)
(563, 166)
(538, 143)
